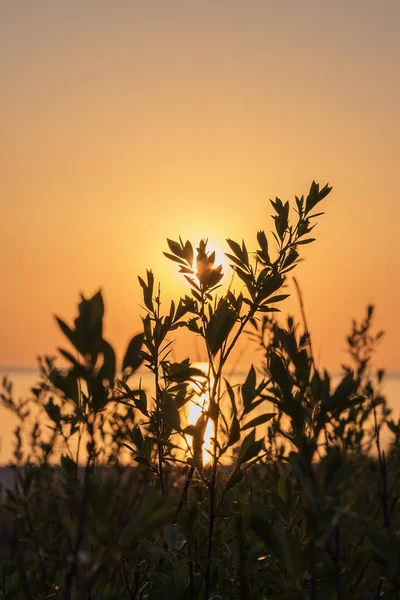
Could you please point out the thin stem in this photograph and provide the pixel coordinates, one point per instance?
(185, 490)
(383, 473)
(36, 544)
(243, 324)
(210, 539)
(159, 445)
(19, 556)
(79, 425)
(303, 315)
(71, 572)
(313, 571)
(204, 323)
(157, 345)
(212, 496)
(337, 563)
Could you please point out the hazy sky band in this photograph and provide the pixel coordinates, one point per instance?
(126, 122)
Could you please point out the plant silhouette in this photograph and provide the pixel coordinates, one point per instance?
(297, 497)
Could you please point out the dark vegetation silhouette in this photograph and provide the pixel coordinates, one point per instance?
(114, 495)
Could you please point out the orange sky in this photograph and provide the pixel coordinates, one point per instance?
(125, 122)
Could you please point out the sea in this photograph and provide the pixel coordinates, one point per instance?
(24, 379)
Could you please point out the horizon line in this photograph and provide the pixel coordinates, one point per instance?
(14, 369)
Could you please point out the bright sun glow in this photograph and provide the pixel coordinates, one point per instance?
(221, 259)
(196, 407)
(175, 282)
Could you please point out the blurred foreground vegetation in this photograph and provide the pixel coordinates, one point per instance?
(115, 495)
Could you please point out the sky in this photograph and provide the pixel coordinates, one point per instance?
(125, 122)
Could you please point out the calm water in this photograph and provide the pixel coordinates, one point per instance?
(23, 380)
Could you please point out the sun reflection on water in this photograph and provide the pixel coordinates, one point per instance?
(198, 406)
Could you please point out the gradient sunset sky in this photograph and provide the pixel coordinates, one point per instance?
(125, 122)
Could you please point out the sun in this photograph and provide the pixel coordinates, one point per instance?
(198, 260)
(220, 259)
